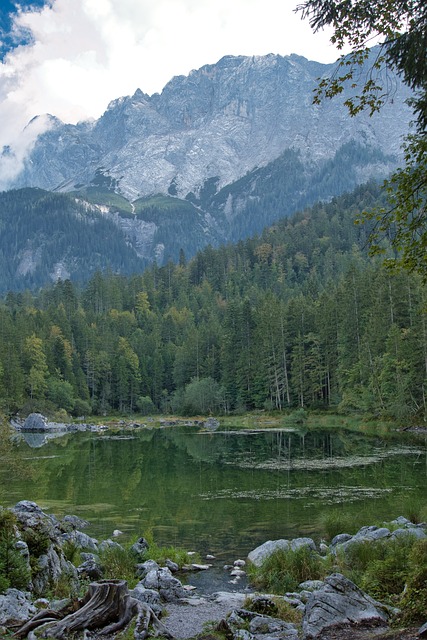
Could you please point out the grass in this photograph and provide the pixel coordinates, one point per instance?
(119, 563)
(337, 521)
(276, 607)
(392, 570)
(284, 570)
(160, 554)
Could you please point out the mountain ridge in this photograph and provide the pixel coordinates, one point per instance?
(221, 121)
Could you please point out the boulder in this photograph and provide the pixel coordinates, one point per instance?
(211, 423)
(74, 522)
(48, 571)
(401, 521)
(273, 627)
(259, 626)
(260, 554)
(149, 596)
(171, 565)
(310, 585)
(144, 568)
(109, 544)
(339, 601)
(140, 547)
(81, 540)
(30, 516)
(365, 535)
(341, 538)
(416, 532)
(90, 568)
(162, 580)
(36, 421)
(15, 607)
(371, 533)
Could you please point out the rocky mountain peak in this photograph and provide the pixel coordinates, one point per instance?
(219, 122)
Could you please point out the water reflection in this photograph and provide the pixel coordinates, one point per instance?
(222, 492)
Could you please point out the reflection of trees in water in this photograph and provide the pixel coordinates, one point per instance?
(158, 479)
(12, 461)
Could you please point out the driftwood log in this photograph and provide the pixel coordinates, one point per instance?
(107, 607)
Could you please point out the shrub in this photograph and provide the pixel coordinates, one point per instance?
(297, 417)
(118, 563)
(386, 576)
(414, 600)
(14, 571)
(37, 540)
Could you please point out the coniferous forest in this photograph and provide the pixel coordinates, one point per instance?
(297, 317)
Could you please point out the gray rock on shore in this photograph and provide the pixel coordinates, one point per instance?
(339, 601)
(260, 554)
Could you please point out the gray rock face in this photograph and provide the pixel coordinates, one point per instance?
(15, 607)
(339, 601)
(219, 122)
(48, 571)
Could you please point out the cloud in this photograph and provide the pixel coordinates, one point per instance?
(85, 53)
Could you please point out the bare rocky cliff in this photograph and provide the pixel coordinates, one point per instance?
(220, 121)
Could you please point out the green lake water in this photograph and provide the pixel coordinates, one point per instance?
(223, 492)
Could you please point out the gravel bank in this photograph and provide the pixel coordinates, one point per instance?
(189, 618)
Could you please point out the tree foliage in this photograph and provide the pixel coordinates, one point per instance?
(299, 317)
(401, 28)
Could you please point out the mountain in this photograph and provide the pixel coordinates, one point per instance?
(216, 157)
(46, 236)
(217, 123)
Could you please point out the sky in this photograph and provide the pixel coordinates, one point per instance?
(70, 58)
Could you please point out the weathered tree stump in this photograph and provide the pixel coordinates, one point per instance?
(107, 607)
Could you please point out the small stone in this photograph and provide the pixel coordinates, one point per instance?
(41, 603)
(172, 566)
(239, 563)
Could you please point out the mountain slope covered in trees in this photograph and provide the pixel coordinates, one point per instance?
(296, 317)
(46, 236)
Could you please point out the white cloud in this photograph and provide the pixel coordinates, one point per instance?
(87, 52)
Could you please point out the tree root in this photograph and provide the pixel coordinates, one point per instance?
(107, 607)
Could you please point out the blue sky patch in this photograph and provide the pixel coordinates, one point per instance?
(8, 9)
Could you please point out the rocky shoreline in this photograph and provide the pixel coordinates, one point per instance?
(39, 546)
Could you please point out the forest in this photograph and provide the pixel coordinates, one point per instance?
(298, 317)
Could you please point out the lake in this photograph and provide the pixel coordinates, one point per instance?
(221, 492)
